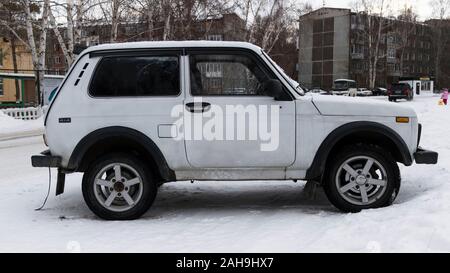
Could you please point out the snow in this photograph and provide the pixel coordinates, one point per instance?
(13, 128)
(231, 216)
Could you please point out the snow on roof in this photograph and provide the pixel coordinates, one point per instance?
(172, 44)
(344, 80)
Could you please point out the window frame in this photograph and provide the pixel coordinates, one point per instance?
(130, 54)
(230, 51)
(2, 89)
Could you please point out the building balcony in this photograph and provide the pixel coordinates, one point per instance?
(391, 60)
(358, 26)
(394, 73)
(357, 56)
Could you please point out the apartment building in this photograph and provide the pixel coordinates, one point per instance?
(333, 45)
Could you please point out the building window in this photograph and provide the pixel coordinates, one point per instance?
(1, 57)
(214, 37)
(1, 87)
(318, 26)
(392, 53)
(329, 25)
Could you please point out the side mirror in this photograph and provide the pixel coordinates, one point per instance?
(274, 88)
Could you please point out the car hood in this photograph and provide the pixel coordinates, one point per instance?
(350, 106)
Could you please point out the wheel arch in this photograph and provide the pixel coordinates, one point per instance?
(359, 132)
(119, 139)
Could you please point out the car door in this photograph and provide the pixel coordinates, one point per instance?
(231, 120)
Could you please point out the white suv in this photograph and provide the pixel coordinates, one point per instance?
(136, 115)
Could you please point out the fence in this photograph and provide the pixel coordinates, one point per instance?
(30, 113)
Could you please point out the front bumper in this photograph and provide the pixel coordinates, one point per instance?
(46, 160)
(426, 157)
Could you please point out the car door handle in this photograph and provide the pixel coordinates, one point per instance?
(195, 107)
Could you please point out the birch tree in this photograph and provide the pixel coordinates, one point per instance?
(37, 48)
(404, 30)
(266, 20)
(113, 13)
(71, 15)
(441, 9)
(10, 19)
(372, 15)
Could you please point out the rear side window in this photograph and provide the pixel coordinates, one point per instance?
(400, 86)
(136, 76)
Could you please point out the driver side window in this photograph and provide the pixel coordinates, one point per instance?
(225, 75)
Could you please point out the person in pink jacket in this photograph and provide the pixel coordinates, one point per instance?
(444, 96)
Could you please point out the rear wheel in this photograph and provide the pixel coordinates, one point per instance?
(119, 187)
(362, 177)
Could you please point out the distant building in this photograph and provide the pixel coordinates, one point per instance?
(14, 91)
(331, 46)
(444, 65)
(224, 27)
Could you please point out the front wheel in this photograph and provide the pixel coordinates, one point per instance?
(119, 187)
(362, 177)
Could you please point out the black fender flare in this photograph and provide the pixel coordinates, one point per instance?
(150, 147)
(319, 163)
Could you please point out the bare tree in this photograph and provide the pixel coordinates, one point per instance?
(267, 19)
(37, 48)
(441, 8)
(404, 29)
(113, 12)
(372, 15)
(10, 16)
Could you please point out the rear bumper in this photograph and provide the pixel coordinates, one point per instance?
(426, 157)
(398, 96)
(46, 160)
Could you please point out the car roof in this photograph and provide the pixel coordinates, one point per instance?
(344, 80)
(172, 44)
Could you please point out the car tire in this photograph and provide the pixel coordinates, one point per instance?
(372, 188)
(410, 97)
(119, 187)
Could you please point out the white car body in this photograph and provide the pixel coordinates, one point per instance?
(316, 118)
(309, 125)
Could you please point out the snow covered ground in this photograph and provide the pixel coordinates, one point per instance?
(13, 128)
(230, 216)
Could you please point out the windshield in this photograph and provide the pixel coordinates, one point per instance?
(298, 87)
(341, 85)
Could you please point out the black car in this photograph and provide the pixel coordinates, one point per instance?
(380, 91)
(400, 91)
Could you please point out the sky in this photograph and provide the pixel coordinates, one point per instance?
(421, 7)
